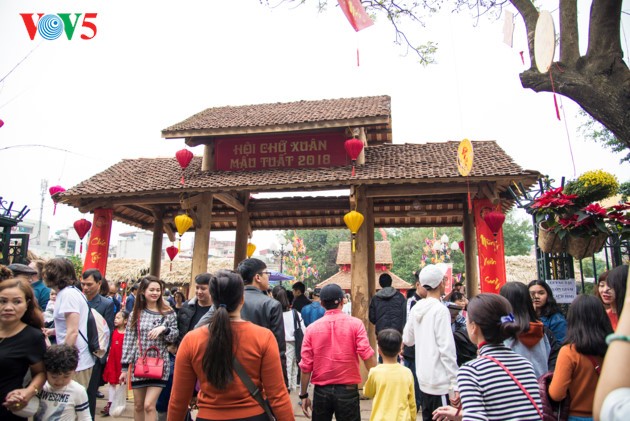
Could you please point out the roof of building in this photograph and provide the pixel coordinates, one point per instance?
(382, 253)
(344, 278)
(283, 116)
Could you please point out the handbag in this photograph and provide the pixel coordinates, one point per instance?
(148, 367)
(500, 364)
(298, 334)
(552, 410)
(251, 387)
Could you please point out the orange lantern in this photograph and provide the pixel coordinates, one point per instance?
(251, 248)
(353, 220)
(183, 223)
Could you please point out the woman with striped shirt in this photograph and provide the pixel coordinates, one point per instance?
(499, 385)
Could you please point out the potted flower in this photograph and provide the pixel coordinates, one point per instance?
(586, 229)
(548, 210)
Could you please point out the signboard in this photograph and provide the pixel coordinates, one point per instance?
(490, 250)
(98, 245)
(301, 150)
(564, 290)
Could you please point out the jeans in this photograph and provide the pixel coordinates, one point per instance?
(292, 367)
(338, 399)
(430, 403)
(411, 365)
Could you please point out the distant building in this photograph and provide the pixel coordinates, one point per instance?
(135, 245)
(219, 248)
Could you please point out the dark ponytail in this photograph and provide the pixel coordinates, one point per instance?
(493, 314)
(226, 289)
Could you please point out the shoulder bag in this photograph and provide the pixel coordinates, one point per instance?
(251, 387)
(148, 367)
(298, 334)
(500, 364)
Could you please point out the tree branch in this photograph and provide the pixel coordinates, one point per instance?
(530, 16)
(603, 35)
(569, 38)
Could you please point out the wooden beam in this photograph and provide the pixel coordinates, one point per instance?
(243, 229)
(489, 190)
(419, 214)
(156, 244)
(230, 200)
(420, 190)
(470, 254)
(191, 202)
(202, 240)
(169, 231)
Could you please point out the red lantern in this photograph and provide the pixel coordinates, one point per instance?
(494, 220)
(184, 157)
(461, 245)
(53, 191)
(1, 123)
(353, 147)
(172, 252)
(82, 226)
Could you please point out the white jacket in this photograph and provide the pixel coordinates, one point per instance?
(429, 329)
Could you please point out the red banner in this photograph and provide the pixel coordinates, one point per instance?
(490, 250)
(98, 244)
(356, 14)
(301, 150)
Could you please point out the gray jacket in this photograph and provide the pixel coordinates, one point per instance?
(261, 310)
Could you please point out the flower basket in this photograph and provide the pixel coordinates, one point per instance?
(549, 241)
(581, 247)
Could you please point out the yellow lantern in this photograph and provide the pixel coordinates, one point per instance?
(251, 248)
(353, 220)
(183, 223)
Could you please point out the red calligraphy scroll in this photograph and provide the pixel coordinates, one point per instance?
(98, 244)
(490, 250)
(356, 14)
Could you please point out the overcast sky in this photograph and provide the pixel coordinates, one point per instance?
(155, 63)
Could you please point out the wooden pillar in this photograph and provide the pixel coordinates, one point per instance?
(207, 163)
(156, 245)
(359, 288)
(363, 138)
(470, 254)
(242, 234)
(202, 239)
(371, 267)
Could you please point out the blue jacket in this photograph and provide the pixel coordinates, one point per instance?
(312, 312)
(42, 293)
(557, 324)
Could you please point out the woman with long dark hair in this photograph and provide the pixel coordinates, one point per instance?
(611, 289)
(500, 384)
(547, 309)
(208, 354)
(291, 317)
(535, 342)
(22, 347)
(579, 359)
(152, 323)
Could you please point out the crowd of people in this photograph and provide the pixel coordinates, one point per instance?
(239, 347)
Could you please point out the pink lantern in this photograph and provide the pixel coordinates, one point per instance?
(53, 191)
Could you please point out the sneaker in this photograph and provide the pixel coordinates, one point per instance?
(99, 395)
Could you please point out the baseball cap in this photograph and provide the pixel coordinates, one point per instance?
(431, 276)
(19, 268)
(331, 292)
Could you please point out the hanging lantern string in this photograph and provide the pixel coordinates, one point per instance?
(553, 89)
(566, 126)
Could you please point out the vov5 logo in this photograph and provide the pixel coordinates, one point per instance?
(51, 26)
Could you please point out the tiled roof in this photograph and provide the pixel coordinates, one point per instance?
(343, 279)
(387, 163)
(282, 113)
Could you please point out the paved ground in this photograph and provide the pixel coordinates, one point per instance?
(366, 407)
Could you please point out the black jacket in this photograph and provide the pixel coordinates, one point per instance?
(388, 309)
(185, 316)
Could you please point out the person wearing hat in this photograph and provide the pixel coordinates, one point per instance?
(33, 275)
(429, 327)
(313, 311)
(329, 361)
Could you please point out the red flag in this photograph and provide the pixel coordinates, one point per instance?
(356, 14)
(490, 250)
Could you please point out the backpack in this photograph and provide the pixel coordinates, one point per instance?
(97, 332)
(298, 334)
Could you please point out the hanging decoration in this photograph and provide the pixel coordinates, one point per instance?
(172, 252)
(184, 156)
(494, 220)
(82, 226)
(353, 220)
(53, 191)
(465, 158)
(251, 248)
(461, 245)
(1, 123)
(357, 16)
(353, 147)
(183, 223)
